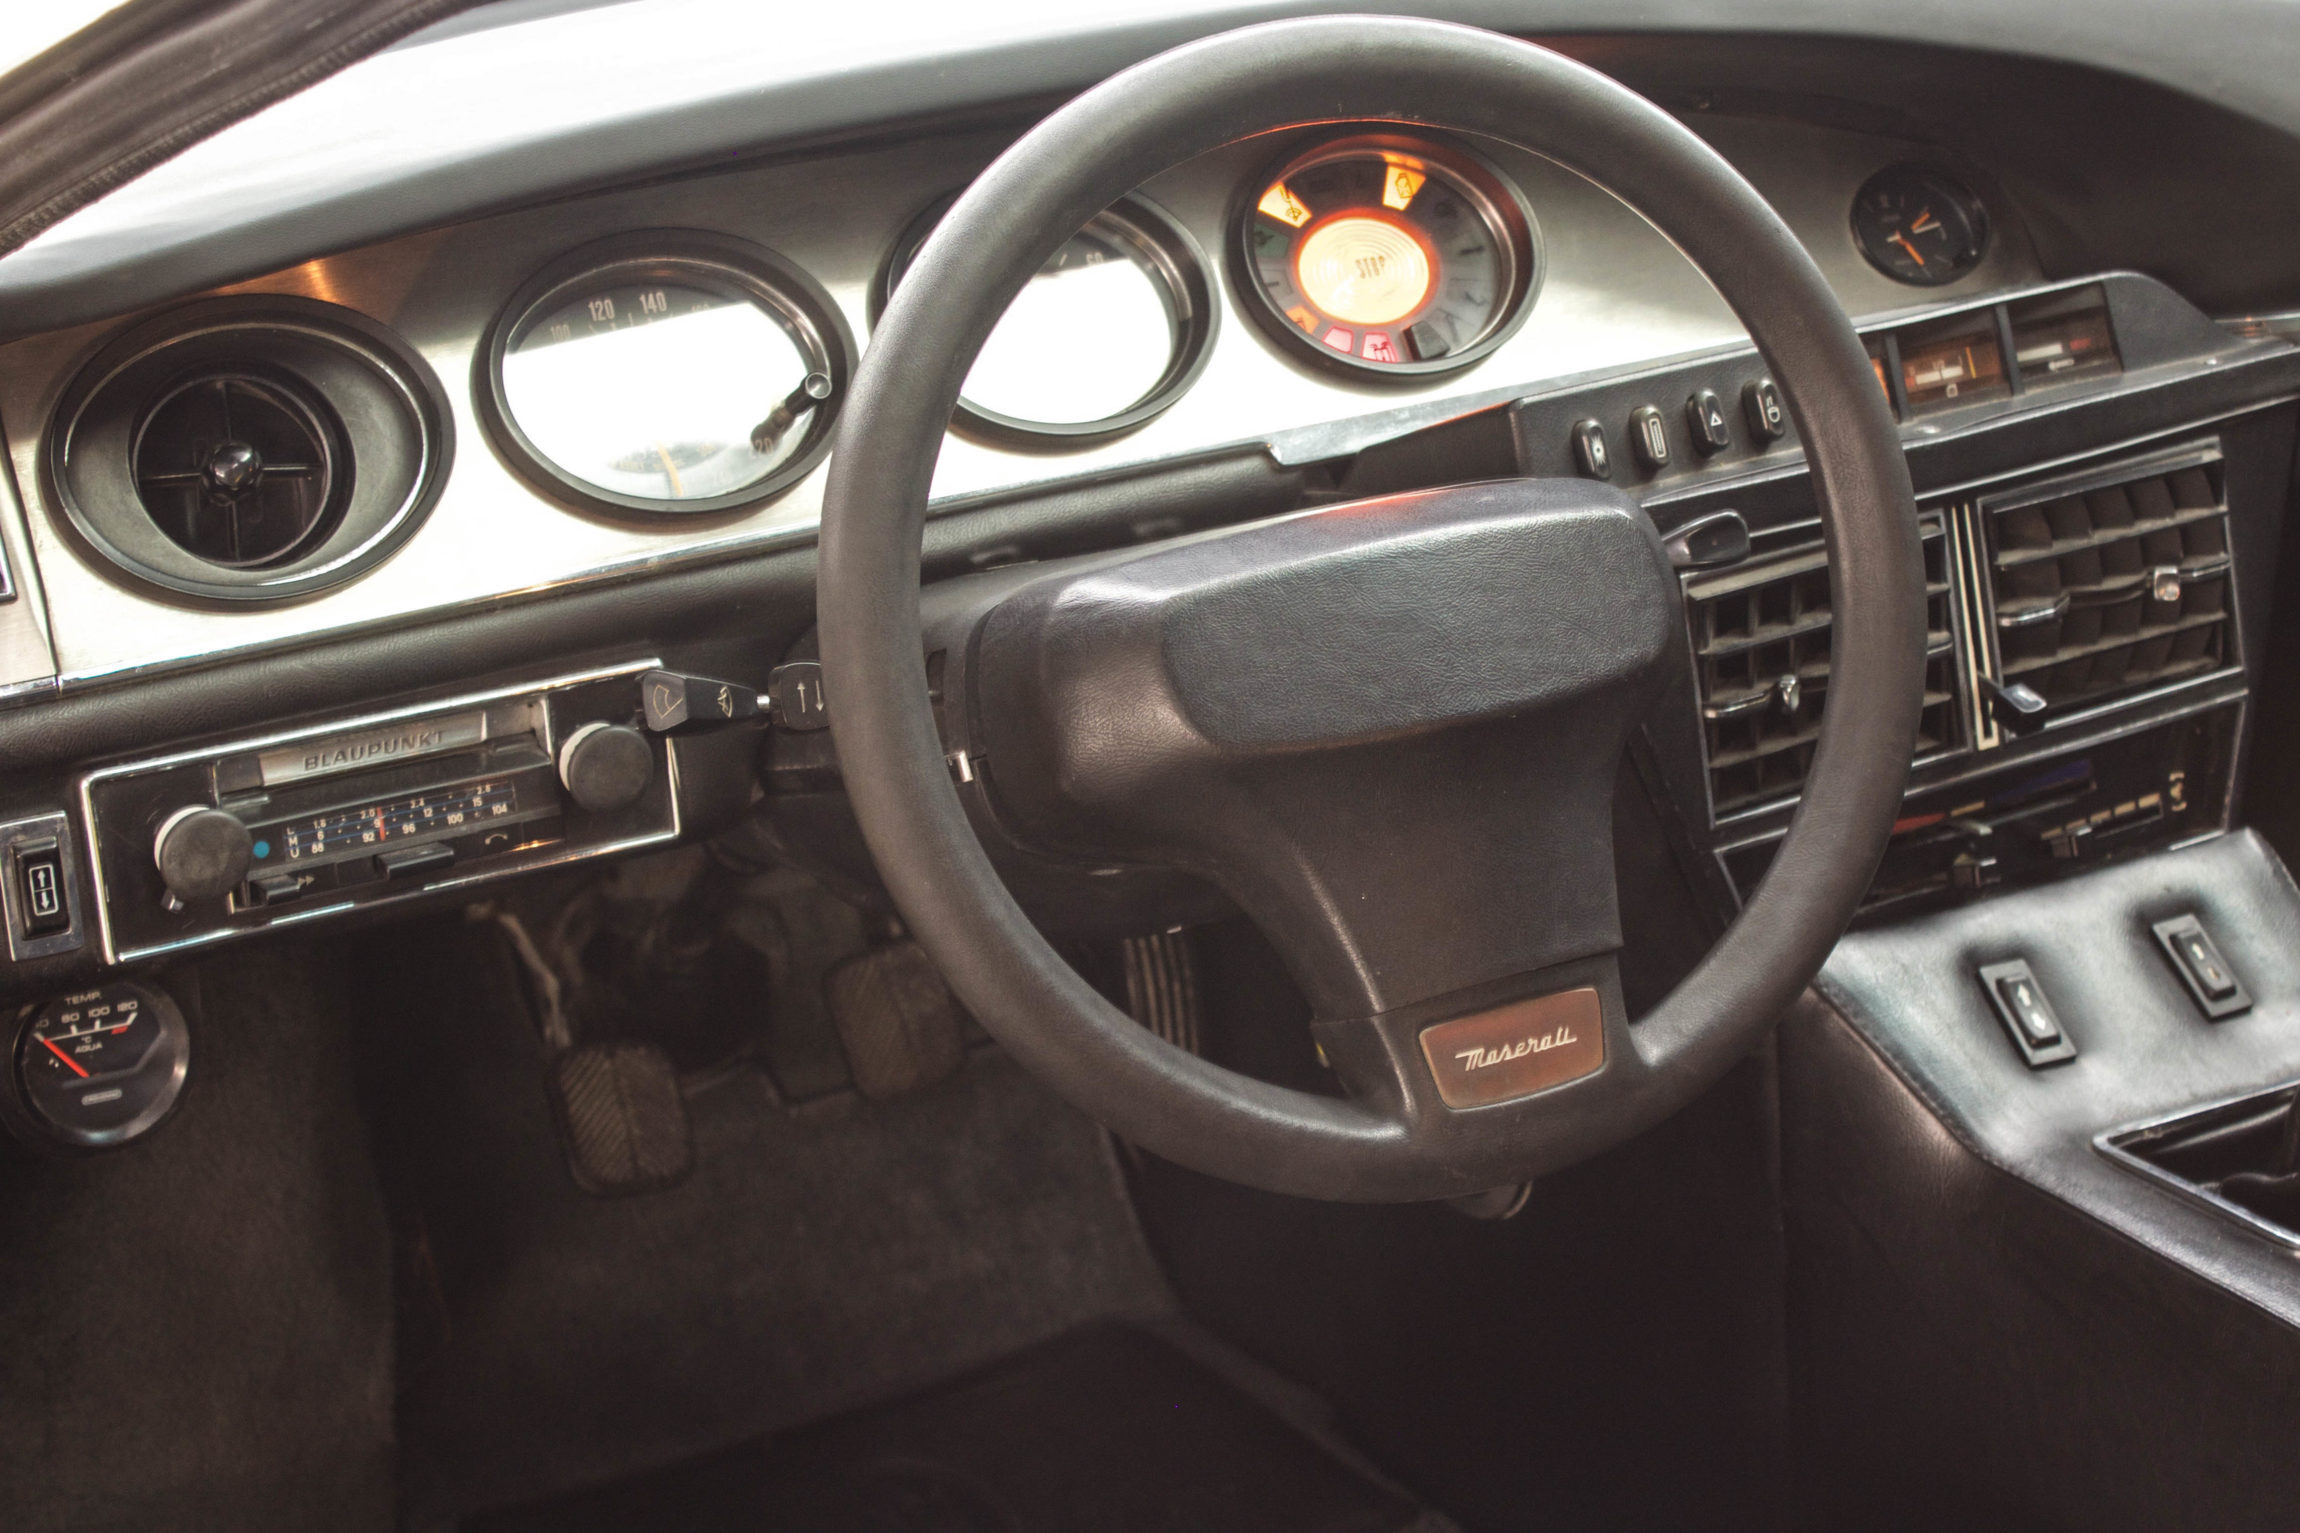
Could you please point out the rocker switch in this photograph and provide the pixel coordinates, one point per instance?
(40, 889)
(2026, 1002)
(2196, 957)
(2021, 1005)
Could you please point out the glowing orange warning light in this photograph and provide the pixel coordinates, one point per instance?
(1304, 318)
(1400, 185)
(1281, 204)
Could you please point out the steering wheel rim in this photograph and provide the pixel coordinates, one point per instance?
(1390, 1142)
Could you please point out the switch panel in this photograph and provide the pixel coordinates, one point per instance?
(2022, 1006)
(2196, 959)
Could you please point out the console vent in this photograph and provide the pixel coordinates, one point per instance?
(2110, 588)
(236, 470)
(1761, 655)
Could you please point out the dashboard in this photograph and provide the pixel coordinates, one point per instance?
(395, 569)
(1159, 335)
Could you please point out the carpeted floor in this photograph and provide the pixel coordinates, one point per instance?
(819, 1259)
(1109, 1428)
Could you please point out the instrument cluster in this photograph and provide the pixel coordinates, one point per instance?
(259, 451)
(677, 372)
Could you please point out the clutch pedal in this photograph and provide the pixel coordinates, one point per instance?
(624, 1121)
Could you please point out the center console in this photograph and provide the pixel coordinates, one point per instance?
(2037, 1160)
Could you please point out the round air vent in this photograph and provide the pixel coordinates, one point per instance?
(238, 470)
(249, 449)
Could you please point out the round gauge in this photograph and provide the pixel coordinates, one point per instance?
(1111, 330)
(99, 1067)
(666, 373)
(1919, 226)
(1387, 256)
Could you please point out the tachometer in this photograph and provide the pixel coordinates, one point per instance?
(1387, 256)
(1919, 226)
(673, 372)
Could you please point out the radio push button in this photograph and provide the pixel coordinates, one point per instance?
(414, 861)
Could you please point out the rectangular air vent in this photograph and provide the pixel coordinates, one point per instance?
(2108, 586)
(1761, 656)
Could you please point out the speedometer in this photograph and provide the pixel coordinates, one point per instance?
(672, 372)
(1387, 256)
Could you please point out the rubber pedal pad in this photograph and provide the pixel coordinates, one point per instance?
(621, 1118)
(897, 1020)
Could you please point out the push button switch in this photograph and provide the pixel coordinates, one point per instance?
(2021, 1005)
(1761, 402)
(2196, 958)
(414, 861)
(1590, 454)
(1705, 418)
(1649, 437)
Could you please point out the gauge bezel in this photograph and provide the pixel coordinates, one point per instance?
(417, 421)
(720, 263)
(37, 1131)
(1172, 254)
(1952, 186)
(1491, 192)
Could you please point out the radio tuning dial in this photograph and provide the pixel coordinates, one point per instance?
(606, 767)
(202, 853)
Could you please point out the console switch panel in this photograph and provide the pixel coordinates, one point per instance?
(2021, 1005)
(2196, 959)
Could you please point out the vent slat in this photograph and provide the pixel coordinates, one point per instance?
(2012, 558)
(2080, 615)
(1760, 628)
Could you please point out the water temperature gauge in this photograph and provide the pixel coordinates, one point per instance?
(98, 1067)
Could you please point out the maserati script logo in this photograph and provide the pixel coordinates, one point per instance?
(1542, 1043)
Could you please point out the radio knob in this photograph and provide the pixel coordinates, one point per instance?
(202, 853)
(606, 766)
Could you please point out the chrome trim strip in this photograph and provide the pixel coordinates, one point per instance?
(2105, 1144)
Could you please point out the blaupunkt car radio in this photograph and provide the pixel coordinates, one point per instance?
(209, 844)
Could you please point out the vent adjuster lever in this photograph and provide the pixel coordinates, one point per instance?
(1709, 542)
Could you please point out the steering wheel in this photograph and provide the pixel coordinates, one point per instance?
(1388, 731)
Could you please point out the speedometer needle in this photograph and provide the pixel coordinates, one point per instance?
(68, 1059)
(1902, 240)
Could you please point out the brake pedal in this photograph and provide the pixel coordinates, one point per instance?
(896, 1018)
(622, 1118)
